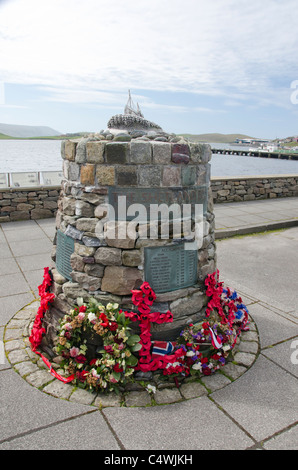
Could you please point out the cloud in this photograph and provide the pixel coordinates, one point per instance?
(96, 49)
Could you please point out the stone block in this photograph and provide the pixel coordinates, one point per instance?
(95, 152)
(73, 290)
(101, 211)
(188, 176)
(70, 150)
(140, 152)
(87, 224)
(121, 280)
(83, 250)
(120, 234)
(73, 171)
(150, 176)
(126, 176)
(87, 174)
(40, 214)
(84, 209)
(24, 207)
(162, 152)
(81, 151)
(68, 206)
(131, 258)
(180, 153)
(95, 270)
(105, 175)
(108, 256)
(77, 262)
(189, 305)
(87, 282)
(171, 176)
(52, 205)
(117, 152)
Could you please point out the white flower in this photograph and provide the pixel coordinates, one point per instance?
(80, 301)
(151, 388)
(91, 316)
(94, 373)
(190, 353)
(197, 366)
(109, 306)
(226, 347)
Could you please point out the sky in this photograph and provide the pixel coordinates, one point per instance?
(223, 66)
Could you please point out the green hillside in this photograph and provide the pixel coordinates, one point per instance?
(215, 138)
(4, 136)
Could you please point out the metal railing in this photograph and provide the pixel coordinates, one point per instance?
(30, 179)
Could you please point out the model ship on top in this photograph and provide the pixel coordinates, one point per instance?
(132, 119)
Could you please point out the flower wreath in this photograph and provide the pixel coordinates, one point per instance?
(209, 343)
(116, 362)
(202, 348)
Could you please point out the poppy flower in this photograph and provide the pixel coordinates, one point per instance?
(113, 326)
(104, 320)
(80, 359)
(143, 308)
(137, 296)
(117, 368)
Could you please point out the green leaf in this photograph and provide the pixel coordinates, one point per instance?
(133, 339)
(121, 318)
(131, 361)
(136, 347)
(116, 375)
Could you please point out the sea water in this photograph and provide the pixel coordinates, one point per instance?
(45, 155)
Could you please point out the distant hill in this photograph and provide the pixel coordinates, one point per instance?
(215, 138)
(15, 130)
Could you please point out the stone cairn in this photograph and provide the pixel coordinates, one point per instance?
(134, 162)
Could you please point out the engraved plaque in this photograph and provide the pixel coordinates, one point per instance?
(169, 268)
(124, 199)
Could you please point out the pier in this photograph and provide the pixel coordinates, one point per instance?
(257, 153)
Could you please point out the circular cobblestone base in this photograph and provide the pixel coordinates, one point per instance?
(32, 369)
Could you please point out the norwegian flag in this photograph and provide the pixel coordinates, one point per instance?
(162, 348)
(216, 341)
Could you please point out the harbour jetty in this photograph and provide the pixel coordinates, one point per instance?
(257, 153)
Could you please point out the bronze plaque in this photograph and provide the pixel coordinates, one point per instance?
(171, 267)
(123, 200)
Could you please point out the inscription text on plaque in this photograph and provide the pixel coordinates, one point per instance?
(169, 268)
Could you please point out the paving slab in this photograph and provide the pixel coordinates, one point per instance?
(11, 284)
(273, 327)
(40, 245)
(25, 409)
(287, 440)
(12, 304)
(33, 262)
(263, 400)
(285, 355)
(196, 424)
(267, 265)
(88, 432)
(24, 233)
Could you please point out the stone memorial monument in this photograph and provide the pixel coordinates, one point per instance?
(135, 206)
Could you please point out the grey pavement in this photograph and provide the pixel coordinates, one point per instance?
(259, 410)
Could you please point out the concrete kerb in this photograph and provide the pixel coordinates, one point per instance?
(251, 229)
(33, 370)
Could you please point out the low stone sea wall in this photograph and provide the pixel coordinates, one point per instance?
(28, 203)
(250, 188)
(41, 202)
